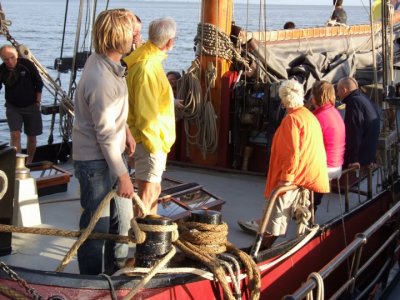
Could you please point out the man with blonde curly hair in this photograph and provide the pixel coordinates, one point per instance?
(297, 157)
(101, 136)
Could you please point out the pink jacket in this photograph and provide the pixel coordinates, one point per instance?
(334, 133)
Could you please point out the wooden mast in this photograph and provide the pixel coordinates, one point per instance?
(218, 13)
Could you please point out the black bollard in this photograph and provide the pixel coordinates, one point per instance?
(156, 245)
(206, 217)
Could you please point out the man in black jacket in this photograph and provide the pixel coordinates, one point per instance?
(23, 93)
(339, 14)
(362, 122)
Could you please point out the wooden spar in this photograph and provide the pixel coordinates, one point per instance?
(220, 14)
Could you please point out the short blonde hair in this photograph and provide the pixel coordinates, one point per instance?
(291, 93)
(323, 92)
(113, 30)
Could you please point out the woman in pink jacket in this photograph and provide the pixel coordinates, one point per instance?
(333, 129)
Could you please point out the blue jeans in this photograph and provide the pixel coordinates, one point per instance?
(96, 181)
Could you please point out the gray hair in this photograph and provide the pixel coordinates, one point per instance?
(161, 31)
(291, 93)
(8, 47)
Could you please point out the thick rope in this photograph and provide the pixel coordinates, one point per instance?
(198, 111)
(202, 242)
(64, 233)
(209, 130)
(210, 261)
(211, 41)
(252, 270)
(11, 293)
(74, 249)
(86, 232)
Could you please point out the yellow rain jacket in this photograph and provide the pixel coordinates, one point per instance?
(151, 116)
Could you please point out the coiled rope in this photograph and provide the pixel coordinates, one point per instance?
(198, 114)
(202, 242)
(210, 41)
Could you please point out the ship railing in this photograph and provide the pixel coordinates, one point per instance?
(352, 178)
(354, 249)
(267, 215)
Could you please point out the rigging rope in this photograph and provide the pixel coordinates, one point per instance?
(210, 41)
(198, 114)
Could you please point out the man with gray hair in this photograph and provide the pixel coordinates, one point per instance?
(23, 86)
(151, 109)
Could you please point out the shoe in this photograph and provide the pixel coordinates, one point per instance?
(267, 241)
(250, 226)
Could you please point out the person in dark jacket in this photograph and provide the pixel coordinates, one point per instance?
(339, 14)
(23, 94)
(362, 123)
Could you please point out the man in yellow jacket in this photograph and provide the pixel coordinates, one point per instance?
(377, 8)
(151, 116)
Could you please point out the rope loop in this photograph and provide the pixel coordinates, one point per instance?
(3, 184)
(210, 238)
(320, 286)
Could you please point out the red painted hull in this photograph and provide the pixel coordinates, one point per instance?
(282, 279)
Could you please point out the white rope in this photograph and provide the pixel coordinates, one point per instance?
(296, 248)
(4, 181)
(320, 286)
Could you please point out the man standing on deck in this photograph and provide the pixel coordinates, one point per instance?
(339, 14)
(23, 96)
(151, 109)
(101, 136)
(362, 123)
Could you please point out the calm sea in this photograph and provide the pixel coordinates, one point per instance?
(38, 24)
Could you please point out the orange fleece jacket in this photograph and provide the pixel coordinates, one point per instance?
(298, 153)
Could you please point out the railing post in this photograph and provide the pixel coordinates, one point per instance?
(346, 192)
(369, 195)
(267, 215)
(356, 262)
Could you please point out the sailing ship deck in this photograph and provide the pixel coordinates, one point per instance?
(243, 194)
